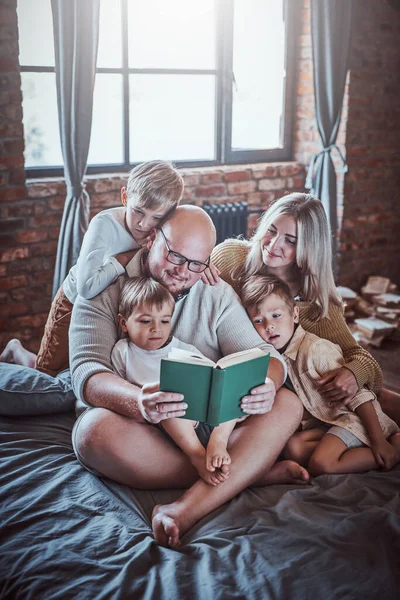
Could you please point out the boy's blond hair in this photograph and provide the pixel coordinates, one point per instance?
(258, 287)
(155, 183)
(143, 291)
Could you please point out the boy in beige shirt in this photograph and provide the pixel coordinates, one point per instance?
(334, 439)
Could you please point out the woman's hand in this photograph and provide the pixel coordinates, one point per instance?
(260, 400)
(338, 387)
(156, 406)
(211, 275)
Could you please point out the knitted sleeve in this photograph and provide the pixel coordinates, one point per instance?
(228, 256)
(334, 328)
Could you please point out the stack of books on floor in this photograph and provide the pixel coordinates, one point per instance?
(374, 314)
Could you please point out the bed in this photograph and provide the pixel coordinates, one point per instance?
(67, 534)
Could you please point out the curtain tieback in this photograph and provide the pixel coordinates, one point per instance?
(310, 180)
(76, 190)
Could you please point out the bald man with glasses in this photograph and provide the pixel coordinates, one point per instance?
(115, 437)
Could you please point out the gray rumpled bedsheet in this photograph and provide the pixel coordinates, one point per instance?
(66, 534)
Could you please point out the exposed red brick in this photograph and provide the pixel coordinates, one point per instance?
(208, 178)
(237, 176)
(28, 237)
(13, 282)
(208, 191)
(45, 189)
(11, 162)
(14, 146)
(243, 187)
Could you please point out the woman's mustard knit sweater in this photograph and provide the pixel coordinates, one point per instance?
(232, 254)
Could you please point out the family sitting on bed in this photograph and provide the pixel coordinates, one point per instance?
(119, 435)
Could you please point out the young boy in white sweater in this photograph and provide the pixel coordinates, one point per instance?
(153, 191)
(347, 439)
(145, 312)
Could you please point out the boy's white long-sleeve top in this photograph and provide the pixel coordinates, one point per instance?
(140, 366)
(97, 266)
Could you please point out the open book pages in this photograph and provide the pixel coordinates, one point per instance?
(180, 355)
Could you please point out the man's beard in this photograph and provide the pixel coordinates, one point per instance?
(146, 268)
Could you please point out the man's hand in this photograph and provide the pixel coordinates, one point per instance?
(211, 275)
(156, 406)
(260, 400)
(385, 454)
(338, 387)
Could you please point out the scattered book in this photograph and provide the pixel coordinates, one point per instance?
(213, 391)
(373, 327)
(388, 300)
(376, 285)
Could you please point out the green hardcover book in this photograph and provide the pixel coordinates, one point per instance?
(213, 391)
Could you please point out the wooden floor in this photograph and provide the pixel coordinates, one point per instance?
(388, 356)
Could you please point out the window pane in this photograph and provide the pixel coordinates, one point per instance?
(40, 119)
(174, 34)
(110, 39)
(106, 142)
(35, 24)
(258, 66)
(172, 117)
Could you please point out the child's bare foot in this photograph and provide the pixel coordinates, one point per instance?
(286, 471)
(15, 353)
(167, 527)
(217, 455)
(212, 476)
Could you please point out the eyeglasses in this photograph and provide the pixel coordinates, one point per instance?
(177, 259)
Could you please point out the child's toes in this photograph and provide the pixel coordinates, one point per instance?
(226, 460)
(217, 462)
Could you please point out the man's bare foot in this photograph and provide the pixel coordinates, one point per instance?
(15, 353)
(214, 476)
(167, 526)
(286, 471)
(217, 454)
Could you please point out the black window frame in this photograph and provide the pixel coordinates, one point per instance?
(224, 75)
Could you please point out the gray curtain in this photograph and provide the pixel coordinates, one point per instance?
(76, 33)
(331, 23)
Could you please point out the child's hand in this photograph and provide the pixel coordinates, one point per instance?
(385, 454)
(211, 275)
(260, 400)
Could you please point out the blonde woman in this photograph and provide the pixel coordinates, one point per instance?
(293, 242)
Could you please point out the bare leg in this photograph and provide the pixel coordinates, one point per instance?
(131, 453)
(390, 403)
(217, 453)
(285, 471)
(302, 444)
(15, 353)
(333, 456)
(183, 433)
(254, 447)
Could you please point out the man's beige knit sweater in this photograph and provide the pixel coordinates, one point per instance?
(209, 317)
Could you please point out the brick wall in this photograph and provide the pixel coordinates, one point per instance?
(370, 240)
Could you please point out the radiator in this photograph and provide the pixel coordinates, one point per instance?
(230, 219)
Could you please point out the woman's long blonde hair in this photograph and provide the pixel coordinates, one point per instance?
(313, 250)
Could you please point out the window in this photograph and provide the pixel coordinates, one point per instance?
(207, 82)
